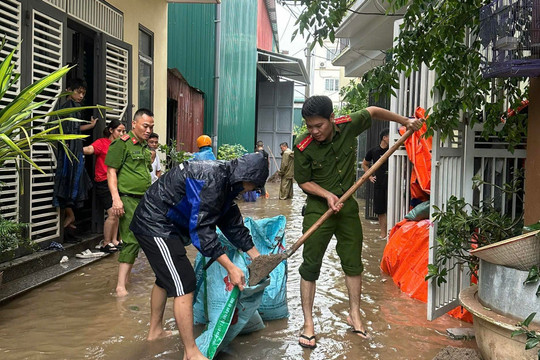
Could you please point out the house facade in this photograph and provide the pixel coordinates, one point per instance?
(117, 46)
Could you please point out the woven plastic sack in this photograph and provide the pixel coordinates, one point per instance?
(269, 238)
(237, 313)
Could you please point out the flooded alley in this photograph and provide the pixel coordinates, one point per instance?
(78, 317)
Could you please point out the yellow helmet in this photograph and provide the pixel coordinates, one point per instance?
(204, 140)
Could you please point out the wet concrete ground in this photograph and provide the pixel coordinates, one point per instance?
(78, 317)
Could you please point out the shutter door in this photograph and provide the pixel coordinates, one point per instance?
(447, 166)
(117, 78)
(10, 23)
(46, 49)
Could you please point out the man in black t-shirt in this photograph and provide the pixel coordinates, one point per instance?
(379, 180)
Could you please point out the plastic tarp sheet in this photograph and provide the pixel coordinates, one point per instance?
(406, 258)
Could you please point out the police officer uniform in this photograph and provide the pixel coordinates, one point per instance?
(133, 160)
(332, 165)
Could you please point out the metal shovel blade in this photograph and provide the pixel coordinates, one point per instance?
(262, 266)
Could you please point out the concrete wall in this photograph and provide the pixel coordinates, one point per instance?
(152, 14)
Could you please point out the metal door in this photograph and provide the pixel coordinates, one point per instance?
(115, 79)
(45, 46)
(447, 169)
(275, 118)
(10, 22)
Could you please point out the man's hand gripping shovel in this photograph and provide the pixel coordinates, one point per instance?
(263, 265)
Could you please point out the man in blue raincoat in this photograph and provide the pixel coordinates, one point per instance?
(184, 206)
(204, 143)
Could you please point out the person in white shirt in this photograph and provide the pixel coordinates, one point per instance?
(153, 144)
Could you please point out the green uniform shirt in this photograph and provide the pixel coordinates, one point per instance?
(132, 159)
(331, 164)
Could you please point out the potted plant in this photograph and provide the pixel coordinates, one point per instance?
(462, 228)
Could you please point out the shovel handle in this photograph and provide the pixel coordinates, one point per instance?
(349, 192)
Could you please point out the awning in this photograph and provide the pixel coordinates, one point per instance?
(275, 66)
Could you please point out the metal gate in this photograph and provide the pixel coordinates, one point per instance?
(275, 117)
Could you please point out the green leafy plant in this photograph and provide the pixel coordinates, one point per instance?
(18, 131)
(300, 129)
(230, 152)
(533, 338)
(12, 236)
(442, 35)
(173, 156)
(462, 226)
(533, 277)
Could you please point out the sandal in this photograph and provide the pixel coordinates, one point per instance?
(308, 338)
(109, 248)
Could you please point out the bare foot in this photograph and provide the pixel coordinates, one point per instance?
(162, 334)
(121, 292)
(358, 329)
(195, 354)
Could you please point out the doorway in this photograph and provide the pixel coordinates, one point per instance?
(81, 53)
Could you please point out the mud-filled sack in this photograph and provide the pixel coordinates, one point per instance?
(239, 312)
(228, 311)
(269, 238)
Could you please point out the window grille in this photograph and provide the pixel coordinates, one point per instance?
(95, 13)
(510, 34)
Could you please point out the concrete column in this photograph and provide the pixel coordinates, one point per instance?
(532, 163)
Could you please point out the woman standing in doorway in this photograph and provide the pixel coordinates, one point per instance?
(100, 147)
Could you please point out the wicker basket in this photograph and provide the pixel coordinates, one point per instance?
(521, 252)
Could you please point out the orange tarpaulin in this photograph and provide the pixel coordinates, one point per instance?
(419, 153)
(405, 259)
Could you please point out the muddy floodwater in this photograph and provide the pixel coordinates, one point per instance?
(77, 316)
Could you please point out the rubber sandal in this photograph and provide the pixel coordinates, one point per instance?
(308, 338)
(364, 334)
(109, 248)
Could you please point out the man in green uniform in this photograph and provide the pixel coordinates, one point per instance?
(286, 172)
(128, 176)
(325, 168)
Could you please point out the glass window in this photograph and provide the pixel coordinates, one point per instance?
(146, 67)
(331, 84)
(330, 54)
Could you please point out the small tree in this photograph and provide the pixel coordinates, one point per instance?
(443, 35)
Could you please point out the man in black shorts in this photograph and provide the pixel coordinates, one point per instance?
(184, 206)
(379, 180)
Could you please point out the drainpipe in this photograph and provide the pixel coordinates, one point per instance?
(216, 77)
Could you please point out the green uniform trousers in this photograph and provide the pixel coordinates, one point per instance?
(131, 247)
(345, 225)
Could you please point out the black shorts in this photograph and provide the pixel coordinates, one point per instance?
(167, 257)
(103, 194)
(380, 199)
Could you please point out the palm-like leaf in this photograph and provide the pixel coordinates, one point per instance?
(19, 130)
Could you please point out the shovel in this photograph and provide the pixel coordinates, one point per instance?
(263, 265)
